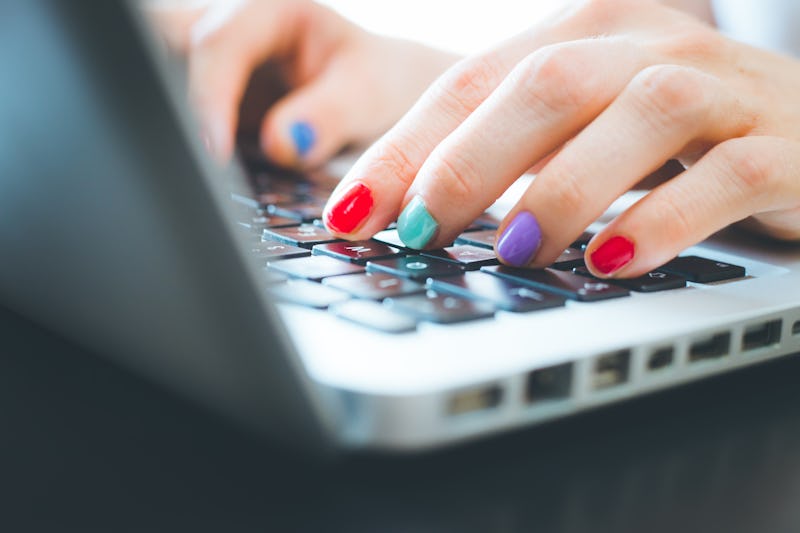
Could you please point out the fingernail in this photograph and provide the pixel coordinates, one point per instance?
(520, 241)
(612, 255)
(303, 136)
(351, 209)
(415, 225)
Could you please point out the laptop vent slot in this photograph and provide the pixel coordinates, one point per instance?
(762, 335)
(611, 370)
(549, 384)
(796, 328)
(713, 347)
(661, 358)
(475, 400)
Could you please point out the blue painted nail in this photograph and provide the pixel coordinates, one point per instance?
(520, 240)
(303, 136)
(415, 225)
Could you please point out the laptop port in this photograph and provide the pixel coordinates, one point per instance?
(474, 400)
(611, 369)
(762, 335)
(713, 347)
(551, 383)
(661, 358)
(796, 328)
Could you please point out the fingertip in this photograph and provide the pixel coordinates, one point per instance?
(612, 257)
(518, 243)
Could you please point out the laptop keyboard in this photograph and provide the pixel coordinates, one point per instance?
(382, 285)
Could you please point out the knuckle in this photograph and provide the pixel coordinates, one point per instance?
(457, 177)
(390, 157)
(466, 84)
(670, 213)
(669, 95)
(554, 77)
(567, 193)
(748, 170)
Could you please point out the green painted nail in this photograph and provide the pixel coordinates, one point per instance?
(415, 225)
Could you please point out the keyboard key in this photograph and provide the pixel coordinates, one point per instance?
(441, 308)
(276, 250)
(375, 316)
(651, 282)
(484, 238)
(581, 242)
(391, 238)
(374, 285)
(307, 293)
(304, 235)
(274, 221)
(702, 270)
(300, 212)
(487, 221)
(357, 251)
(467, 256)
(315, 267)
(567, 284)
(569, 259)
(505, 294)
(415, 267)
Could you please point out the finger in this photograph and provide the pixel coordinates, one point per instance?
(229, 42)
(546, 100)
(663, 111)
(387, 168)
(734, 180)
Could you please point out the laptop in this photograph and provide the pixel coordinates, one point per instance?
(118, 233)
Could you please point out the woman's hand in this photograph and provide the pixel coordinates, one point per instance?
(598, 96)
(346, 85)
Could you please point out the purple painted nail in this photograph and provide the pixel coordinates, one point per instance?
(520, 240)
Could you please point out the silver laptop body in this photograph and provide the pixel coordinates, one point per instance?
(117, 233)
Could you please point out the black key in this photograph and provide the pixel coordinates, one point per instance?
(702, 270)
(567, 284)
(569, 259)
(374, 315)
(315, 267)
(301, 212)
(357, 251)
(651, 282)
(414, 267)
(304, 235)
(581, 242)
(274, 221)
(487, 221)
(441, 308)
(277, 250)
(505, 294)
(391, 238)
(484, 238)
(374, 285)
(467, 256)
(307, 293)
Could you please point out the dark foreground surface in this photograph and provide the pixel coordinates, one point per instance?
(86, 446)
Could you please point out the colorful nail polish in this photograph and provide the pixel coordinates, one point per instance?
(612, 255)
(351, 209)
(303, 136)
(520, 240)
(415, 225)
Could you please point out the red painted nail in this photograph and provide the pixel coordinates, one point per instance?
(351, 209)
(612, 255)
